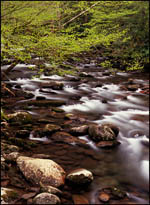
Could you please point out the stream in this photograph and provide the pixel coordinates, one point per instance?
(97, 97)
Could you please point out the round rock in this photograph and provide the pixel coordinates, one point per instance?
(80, 177)
(43, 171)
(46, 198)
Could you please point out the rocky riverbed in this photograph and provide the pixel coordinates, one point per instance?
(75, 139)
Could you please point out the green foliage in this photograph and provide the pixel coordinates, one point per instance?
(106, 64)
(54, 30)
(135, 66)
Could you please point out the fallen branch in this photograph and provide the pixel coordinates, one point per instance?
(80, 14)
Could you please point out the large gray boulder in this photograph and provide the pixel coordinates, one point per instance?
(43, 171)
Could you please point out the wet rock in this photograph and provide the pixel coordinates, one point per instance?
(59, 110)
(82, 130)
(42, 171)
(12, 156)
(104, 132)
(22, 143)
(104, 197)
(118, 193)
(46, 198)
(46, 103)
(80, 177)
(22, 133)
(84, 74)
(107, 144)
(133, 87)
(7, 195)
(111, 193)
(106, 73)
(28, 195)
(51, 128)
(67, 138)
(20, 117)
(28, 95)
(73, 78)
(79, 199)
(51, 190)
(99, 84)
(40, 98)
(7, 148)
(55, 85)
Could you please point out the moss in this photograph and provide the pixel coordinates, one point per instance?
(21, 143)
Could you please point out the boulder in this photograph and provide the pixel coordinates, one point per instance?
(82, 130)
(80, 177)
(46, 198)
(104, 132)
(43, 171)
(20, 117)
(67, 138)
(51, 128)
(55, 85)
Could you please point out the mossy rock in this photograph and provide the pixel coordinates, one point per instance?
(21, 143)
(20, 117)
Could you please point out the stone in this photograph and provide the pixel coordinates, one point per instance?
(133, 87)
(7, 148)
(118, 193)
(51, 190)
(8, 195)
(84, 74)
(80, 177)
(40, 98)
(108, 144)
(46, 103)
(12, 156)
(51, 128)
(104, 132)
(79, 199)
(82, 130)
(55, 85)
(22, 133)
(28, 195)
(43, 171)
(20, 117)
(66, 138)
(104, 197)
(46, 198)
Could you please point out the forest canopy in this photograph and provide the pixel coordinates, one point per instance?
(54, 30)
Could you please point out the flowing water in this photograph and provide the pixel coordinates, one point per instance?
(127, 165)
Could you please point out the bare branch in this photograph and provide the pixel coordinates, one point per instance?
(80, 14)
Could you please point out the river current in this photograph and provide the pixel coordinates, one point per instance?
(127, 165)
